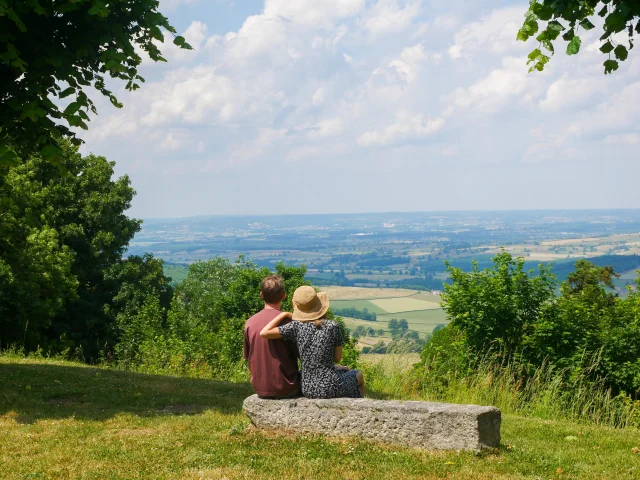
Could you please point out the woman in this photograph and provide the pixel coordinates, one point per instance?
(319, 342)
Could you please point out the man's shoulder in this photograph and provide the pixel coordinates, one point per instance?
(261, 318)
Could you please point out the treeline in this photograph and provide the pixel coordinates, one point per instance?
(66, 287)
(516, 318)
(363, 314)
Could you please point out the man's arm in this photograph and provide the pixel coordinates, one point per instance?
(247, 345)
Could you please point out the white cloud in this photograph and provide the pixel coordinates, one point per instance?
(450, 151)
(170, 143)
(172, 4)
(496, 31)
(318, 97)
(624, 139)
(301, 153)
(389, 16)
(455, 51)
(196, 34)
(407, 127)
(565, 92)
(327, 127)
(312, 12)
(490, 93)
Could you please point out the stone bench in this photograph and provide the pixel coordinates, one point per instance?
(440, 426)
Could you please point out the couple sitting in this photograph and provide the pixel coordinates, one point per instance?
(274, 340)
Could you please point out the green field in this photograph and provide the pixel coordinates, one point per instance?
(352, 323)
(420, 310)
(423, 321)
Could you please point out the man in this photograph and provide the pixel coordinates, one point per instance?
(273, 363)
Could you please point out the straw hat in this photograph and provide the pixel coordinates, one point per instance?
(309, 305)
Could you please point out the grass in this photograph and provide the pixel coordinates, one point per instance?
(64, 420)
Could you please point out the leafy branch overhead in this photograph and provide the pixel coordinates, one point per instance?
(549, 19)
(52, 52)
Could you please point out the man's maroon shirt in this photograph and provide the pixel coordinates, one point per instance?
(273, 363)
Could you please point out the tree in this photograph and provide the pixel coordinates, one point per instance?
(61, 231)
(380, 332)
(54, 51)
(412, 334)
(567, 17)
(359, 331)
(496, 307)
(403, 325)
(371, 332)
(393, 324)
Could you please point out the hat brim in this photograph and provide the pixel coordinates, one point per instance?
(317, 310)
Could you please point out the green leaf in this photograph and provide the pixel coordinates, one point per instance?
(616, 22)
(16, 19)
(569, 35)
(543, 12)
(529, 28)
(51, 151)
(621, 52)
(603, 11)
(553, 29)
(65, 93)
(538, 59)
(586, 24)
(72, 108)
(606, 48)
(610, 66)
(544, 40)
(179, 41)
(574, 46)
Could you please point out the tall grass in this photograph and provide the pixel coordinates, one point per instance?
(548, 393)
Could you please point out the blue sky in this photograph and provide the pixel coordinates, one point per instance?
(370, 105)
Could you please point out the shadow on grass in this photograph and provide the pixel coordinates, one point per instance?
(43, 391)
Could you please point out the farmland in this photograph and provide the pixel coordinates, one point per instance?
(390, 255)
(421, 310)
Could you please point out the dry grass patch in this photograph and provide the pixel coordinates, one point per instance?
(406, 304)
(360, 293)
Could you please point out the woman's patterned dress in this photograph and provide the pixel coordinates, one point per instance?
(316, 345)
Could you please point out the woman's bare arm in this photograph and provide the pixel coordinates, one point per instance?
(270, 331)
(337, 354)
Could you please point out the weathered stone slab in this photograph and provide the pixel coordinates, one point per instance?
(438, 426)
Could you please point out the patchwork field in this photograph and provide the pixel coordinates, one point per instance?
(406, 304)
(422, 321)
(421, 310)
(359, 293)
(589, 247)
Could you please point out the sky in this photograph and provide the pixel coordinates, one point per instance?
(340, 106)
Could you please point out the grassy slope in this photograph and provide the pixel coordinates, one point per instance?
(64, 420)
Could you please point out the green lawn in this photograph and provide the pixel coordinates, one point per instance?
(63, 420)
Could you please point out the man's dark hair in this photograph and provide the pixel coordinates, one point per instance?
(272, 289)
